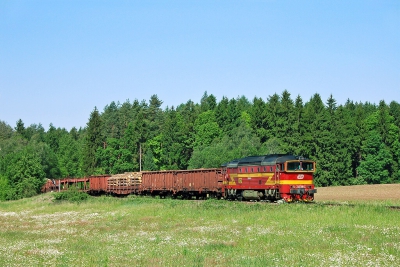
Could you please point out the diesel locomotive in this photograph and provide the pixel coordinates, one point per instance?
(270, 177)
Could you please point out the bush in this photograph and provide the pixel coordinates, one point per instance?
(71, 195)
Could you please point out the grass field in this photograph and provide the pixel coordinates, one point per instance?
(107, 231)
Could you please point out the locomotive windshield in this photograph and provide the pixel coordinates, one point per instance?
(308, 166)
(300, 166)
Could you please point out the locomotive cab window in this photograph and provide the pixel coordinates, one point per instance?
(300, 166)
(308, 166)
(294, 166)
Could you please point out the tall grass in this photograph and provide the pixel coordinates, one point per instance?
(106, 231)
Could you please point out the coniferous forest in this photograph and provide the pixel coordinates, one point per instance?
(354, 143)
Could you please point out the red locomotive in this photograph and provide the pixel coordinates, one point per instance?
(266, 178)
(270, 177)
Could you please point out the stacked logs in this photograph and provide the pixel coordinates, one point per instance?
(125, 179)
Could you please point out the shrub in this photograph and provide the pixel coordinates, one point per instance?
(71, 195)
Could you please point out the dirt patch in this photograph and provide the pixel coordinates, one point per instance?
(359, 192)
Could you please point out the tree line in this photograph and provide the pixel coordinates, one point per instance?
(353, 143)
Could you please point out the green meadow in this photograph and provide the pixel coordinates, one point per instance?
(106, 231)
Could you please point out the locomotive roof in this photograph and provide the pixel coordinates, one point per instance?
(270, 159)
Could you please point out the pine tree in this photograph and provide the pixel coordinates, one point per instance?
(93, 141)
(6, 131)
(285, 121)
(297, 138)
(110, 121)
(234, 115)
(131, 145)
(389, 133)
(125, 114)
(258, 118)
(173, 136)
(344, 146)
(154, 117)
(53, 137)
(207, 102)
(271, 117)
(394, 111)
(222, 114)
(20, 128)
(316, 137)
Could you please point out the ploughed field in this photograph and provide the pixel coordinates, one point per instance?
(358, 192)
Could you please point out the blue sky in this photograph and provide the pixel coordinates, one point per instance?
(60, 59)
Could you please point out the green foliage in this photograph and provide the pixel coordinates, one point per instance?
(6, 192)
(272, 146)
(20, 128)
(116, 157)
(71, 195)
(6, 131)
(25, 173)
(380, 148)
(242, 142)
(374, 166)
(93, 141)
(28, 187)
(206, 129)
(207, 102)
(50, 162)
(110, 121)
(174, 135)
(149, 163)
(69, 157)
(154, 152)
(258, 118)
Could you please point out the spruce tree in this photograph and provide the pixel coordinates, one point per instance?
(286, 121)
(20, 128)
(93, 141)
(258, 118)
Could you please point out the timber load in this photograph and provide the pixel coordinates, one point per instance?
(124, 183)
(125, 179)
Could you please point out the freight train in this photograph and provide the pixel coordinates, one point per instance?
(273, 177)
